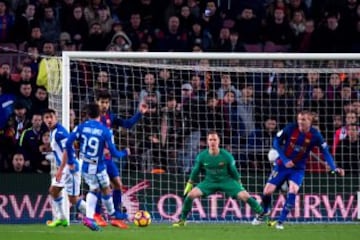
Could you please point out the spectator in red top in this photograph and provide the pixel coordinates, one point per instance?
(342, 132)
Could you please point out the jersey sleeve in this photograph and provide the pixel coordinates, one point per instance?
(127, 123)
(61, 138)
(196, 169)
(320, 142)
(232, 167)
(278, 142)
(69, 146)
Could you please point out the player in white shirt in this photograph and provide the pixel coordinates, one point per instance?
(64, 179)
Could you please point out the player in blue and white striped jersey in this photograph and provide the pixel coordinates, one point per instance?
(93, 138)
(63, 178)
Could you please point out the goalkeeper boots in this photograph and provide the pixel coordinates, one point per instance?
(180, 223)
(91, 224)
(57, 223)
(100, 220)
(261, 218)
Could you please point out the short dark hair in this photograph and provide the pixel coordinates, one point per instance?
(103, 95)
(48, 111)
(92, 110)
(212, 131)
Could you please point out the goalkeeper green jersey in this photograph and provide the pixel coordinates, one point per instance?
(218, 168)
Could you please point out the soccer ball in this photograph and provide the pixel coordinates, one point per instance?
(142, 218)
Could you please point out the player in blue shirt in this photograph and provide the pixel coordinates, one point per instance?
(293, 144)
(93, 138)
(109, 120)
(63, 177)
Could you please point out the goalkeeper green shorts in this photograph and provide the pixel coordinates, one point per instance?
(230, 187)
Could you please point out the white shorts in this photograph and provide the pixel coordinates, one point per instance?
(70, 181)
(97, 181)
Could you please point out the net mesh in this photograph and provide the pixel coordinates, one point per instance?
(247, 102)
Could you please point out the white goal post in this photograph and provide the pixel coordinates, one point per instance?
(310, 206)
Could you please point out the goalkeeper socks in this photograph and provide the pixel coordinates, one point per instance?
(81, 206)
(186, 208)
(255, 206)
(289, 204)
(98, 204)
(91, 200)
(117, 199)
(108, 203)
(266, 201)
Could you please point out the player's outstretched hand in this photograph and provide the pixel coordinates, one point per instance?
(128, 151)
(143, 107)
(339, 171)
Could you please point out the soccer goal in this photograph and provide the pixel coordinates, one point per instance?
(247, 98)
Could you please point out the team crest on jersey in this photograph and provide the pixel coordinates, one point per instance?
(221, 164)
(108, 122)
(307, 140)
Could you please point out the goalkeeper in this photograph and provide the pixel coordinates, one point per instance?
(220, 175)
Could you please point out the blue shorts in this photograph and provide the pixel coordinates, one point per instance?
(279, 174)
(111, 169)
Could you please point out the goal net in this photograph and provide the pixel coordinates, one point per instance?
(247, 98)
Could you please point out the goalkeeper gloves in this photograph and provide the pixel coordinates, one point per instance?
(188, 188)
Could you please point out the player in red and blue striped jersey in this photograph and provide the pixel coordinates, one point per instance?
(293, 144)
(108, 119)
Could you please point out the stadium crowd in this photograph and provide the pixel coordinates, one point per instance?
(246, 113)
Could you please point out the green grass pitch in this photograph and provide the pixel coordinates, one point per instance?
(192, 231)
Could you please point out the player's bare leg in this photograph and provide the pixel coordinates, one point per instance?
(266, 201)
(194, 193)
(55, 193)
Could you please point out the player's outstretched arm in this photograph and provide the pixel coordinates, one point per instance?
(112, 148)
(129, 123)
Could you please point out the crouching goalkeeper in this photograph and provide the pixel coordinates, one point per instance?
(220, 175)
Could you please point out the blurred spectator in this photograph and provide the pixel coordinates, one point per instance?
(334, 86)
(136, 33)
(348, 151)
(122, 41)
(18, 122)
(8, 85)
(198, 36)
(18, 164)
(90, 11)
(260, 142)
(36, 38)
(198, 90)
(211, 19)
(226, 85)
(30, 141)
(23, 23)
(341, 133)
(40, 99)
(76, 25)
(25, 91)
(45, 151)
(297, 22)
(95, 40)
(223, 41)
(50, 25)
(174, 9)
(6, 22)
(49, 69)
(329, 37)
(173, 39)
(248, 25)
(32, 59)
(104, 18)
(278, 34)
(304, 41)
(149, 86)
